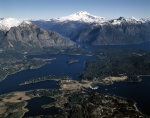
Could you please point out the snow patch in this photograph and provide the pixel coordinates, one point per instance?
(10, 44)
(132, 20)
(7, 23)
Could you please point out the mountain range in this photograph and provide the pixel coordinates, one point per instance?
(23, 35)
(86, 28)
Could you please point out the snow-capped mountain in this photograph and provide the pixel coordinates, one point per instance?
(84, 27)
(67, 24)
(121, 31)
(24, 36)
(85, 17)
(132, 20)
(81, 16)
(7, 23)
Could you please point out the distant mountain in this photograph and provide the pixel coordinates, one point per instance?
(84, 27)
(119, 31)
(66, 25)
(79, 27)
(24, 36)
(81, 16)
(132, 20)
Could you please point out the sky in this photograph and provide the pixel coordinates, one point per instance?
(46, 9)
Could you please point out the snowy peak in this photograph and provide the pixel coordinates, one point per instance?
(121, 18)
(85, 17)
(7, 23)
(132, 20)
(24, 23)
(81, 16)
(80, 13)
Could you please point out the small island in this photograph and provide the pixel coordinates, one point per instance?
(72, 61)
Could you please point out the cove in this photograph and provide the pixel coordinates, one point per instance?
(35, 109)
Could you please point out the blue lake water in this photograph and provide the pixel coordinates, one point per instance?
(35, 109)
(143, 46)
(58, 66)
(139, 92)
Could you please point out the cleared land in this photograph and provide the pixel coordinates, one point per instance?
(18, 97)
(76, 85)
(110, 80)
(3, 110)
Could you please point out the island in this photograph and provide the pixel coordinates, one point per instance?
(72, 61)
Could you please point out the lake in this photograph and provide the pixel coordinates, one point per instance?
(58, 66)
(139, 92)
(35, 109)
(143, 46)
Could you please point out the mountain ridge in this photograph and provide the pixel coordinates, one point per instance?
(84, 27)
(109, 34)
(28, 37)
(86, 17)
(81, 16)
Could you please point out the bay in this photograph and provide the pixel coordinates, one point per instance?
(35, 109)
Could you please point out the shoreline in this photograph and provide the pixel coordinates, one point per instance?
(35, 82)
(22, 70)
(144, 75)
(135, 105)
(26, 110)
(15, 99)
